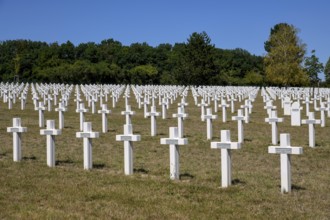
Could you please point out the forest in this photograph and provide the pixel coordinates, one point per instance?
(194, 62)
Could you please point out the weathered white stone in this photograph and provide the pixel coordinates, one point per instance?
(226, 146)
(87, 134)
(128, 137)
(311, 121)
(285, 150)
(50, 132)
(174, 141)
(17, 129)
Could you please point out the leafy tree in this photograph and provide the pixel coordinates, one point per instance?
(143, 74)
(327, 71)
(283, 61)
(313, 67)
(197, 62)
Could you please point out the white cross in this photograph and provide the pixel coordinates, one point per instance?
(240, 118)
(164, 107)
(104, 111)
(41, 110)
(226, 146)
(311, 121)
(209, 117)
(307, 102)
(50, 132)
(322, 109)
(61, 109)
(273, 120)
(174, 141)
(81, 110)
(17, 129)
(181, 116)
(202, 105)
(285, 150)
(224, 105)
(87, 134)
(246, 111)
(128, 137)
(128, 113)
(153, 114)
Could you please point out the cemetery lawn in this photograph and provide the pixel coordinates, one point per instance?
(31, 190)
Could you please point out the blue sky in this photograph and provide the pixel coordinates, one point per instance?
(230, 24)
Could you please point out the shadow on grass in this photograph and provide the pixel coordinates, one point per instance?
(294, 187)
(141, 170)
(63, 162)
(98, 165)
(3, 154)
(68, 127)
(112, 130)
(238, 182)
(29, 158)
(247, 139)
(186, 176)
(297, 188)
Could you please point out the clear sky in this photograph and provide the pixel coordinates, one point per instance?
(230, 24)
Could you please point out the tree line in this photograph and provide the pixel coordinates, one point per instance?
(194, 62)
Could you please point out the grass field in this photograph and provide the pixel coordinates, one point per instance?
(31, 190)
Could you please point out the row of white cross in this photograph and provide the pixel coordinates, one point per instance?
(176, 133)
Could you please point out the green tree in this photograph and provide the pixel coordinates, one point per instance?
(327, 71)
(197, 62)
(313, 67)
(143, 74)
(283, 63)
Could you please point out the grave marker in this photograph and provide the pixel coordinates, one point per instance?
(174, 141)
(50, 132)
(226, 146)
(17, 129)
(285, 150)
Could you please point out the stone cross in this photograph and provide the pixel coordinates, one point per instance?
(285, 150)
(269, 107)
(153, 114)
(128, 137)
(226, 146)
(174, 141)
(49, 102)
(215, 101)
(104, 111)
(81, 110)
(322, 109)
(61, 109)
(273, 120)
(307, 102)
(50, 132)
(164, 104)
(87, 134)
(209, 117)
(239, 118)
(246, 110)
(311, 121)
(17, 129)
(145, 106)
(295, 114)
(232, 105)
(202, 105)
(23, 101)
(128, 113)
(181, 116)
(41, 110)
(224, 105)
